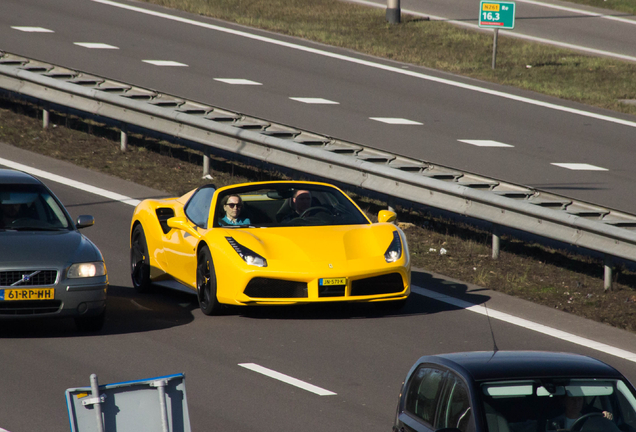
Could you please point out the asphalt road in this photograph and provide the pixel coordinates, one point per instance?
(355, 352)
(408, 110)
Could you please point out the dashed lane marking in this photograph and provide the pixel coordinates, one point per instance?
(237, 81)
(485, 143)
(287, 379)
(395, 121)
(32, 29)
(579, 166)
(164, 63)
(314, 100)
(95, 45)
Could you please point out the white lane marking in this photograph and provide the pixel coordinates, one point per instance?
(93, 45)
(516, 34)
(579, 166)
(485, 143)
(32, 29)
(395, 121)
(314, 100)
(579, 11)
(287, 379)
(68, 182)
(539, 328)
(374, 65)
(237, 81)
(164, 63)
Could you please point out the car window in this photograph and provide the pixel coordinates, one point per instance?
(455, 410)
(198, 208)
(541, 405)
(31, 207)
(285, 205)
(424, 393)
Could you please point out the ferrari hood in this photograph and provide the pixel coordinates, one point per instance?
(316, 244)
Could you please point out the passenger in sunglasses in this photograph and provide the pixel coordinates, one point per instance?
(233, 204)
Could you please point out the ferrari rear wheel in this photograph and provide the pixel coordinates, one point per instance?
(206, 283)
(139, 260)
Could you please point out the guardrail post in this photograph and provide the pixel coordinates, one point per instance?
(607, 281)
(495, 241)
(45, 118)
(206, 163)
(124, 138)
(393, 11)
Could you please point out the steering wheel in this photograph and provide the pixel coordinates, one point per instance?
(578, 424)
(315, 210)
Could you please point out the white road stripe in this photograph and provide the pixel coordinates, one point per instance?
(374, 65)
(68, 182)
(32, 29)
(287, 379)
(314, 100)
(93, 45)
(485, 143)
(579, 166)
(237, 81)
(539, 328)
(164, 63)
(395, 121)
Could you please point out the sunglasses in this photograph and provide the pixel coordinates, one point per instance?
(232, 205)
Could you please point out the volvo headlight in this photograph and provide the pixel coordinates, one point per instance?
(84, 270)
(394, 252)
(249, 256)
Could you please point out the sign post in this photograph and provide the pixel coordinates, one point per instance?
(496, 15)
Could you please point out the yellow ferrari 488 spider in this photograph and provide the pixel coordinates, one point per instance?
(283, 242)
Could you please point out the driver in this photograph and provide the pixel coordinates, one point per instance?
(301, 201)
(9, 213)
(573, 410)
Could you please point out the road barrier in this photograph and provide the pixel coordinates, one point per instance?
(210, 128)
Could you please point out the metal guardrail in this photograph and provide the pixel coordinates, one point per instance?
(579, 223)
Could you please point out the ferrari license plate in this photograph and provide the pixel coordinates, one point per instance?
(332, 281)
(27, 294)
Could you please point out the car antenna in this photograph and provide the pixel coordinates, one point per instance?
(492, 333)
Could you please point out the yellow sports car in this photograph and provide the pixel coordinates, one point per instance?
(283, 242)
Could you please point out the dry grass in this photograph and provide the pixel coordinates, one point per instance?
(558, 279)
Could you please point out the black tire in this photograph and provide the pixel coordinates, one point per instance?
(139, 260)
(206, 283)
(92, 323)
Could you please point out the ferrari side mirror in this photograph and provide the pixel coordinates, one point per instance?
(386, 216)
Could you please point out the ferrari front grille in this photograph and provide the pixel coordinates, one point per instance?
(21, 278)
(275, 288)
(385, 284)
(29, 307)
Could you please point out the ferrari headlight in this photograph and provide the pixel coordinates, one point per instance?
(84, 270)
(394, 252)
(249, 256)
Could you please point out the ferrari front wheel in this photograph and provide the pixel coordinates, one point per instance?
(206, 283)
(139, 260)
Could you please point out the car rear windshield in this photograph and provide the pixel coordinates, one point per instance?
(587, 405)
(287, 205)
(30, 207)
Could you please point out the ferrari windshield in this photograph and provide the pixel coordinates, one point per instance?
(284, 205)
(587, 405)
(25, 207)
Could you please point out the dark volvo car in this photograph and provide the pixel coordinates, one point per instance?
(47, 267)
(515, 391)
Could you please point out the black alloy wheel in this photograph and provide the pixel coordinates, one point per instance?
(206, 283)
(139, 260)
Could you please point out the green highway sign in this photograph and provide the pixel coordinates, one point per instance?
(496, 14)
